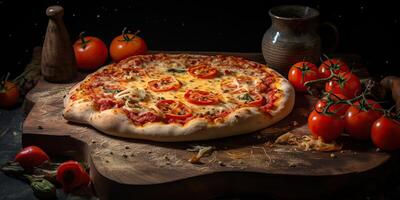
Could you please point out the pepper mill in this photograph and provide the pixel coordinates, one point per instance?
(58, 60)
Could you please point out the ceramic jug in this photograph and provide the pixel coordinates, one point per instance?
(292, 37)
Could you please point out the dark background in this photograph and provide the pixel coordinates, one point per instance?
(369, 29)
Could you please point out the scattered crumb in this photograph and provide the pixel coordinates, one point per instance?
(220, 163)
(377, 149)
(15, 133)
(127, 147)
(201, 152)
(40, 127)
(149, 152)
(332, 155)
(295, 123)
(132, 154)
(341, 151)
(124, 155)
(307, 142)
(111, 153)
(107, 161)
(292, 165)
(93, 141)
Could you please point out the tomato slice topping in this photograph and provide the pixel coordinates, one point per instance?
(164, 84)
(203, 71)
(200, 97)
(249, 98)
(174, 109)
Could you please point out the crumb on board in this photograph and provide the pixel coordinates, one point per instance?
(201, 152)
(40, 127)
(332, 155)
(307, 142)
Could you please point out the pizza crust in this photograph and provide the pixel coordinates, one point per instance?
(114, 122)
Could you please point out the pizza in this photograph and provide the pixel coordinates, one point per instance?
(181, 97)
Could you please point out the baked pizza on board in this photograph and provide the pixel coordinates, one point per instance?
(181, 97)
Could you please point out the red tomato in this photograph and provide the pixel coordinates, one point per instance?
(201, 97)
(31, 157)
(174, 109)
(90, 52)
(335, 64)
(300, 73)
(347, 84)
(339, 109)
(9, 94)
(203, 71)
(127, 45)
(164, 84)
(71, 175)
(359, 119)
(250, 98)
(328, 127)
(385, 133)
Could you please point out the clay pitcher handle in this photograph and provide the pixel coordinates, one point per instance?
(336, 36)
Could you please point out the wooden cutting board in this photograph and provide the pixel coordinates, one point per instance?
(240, 165)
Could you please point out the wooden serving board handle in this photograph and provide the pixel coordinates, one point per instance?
(58, 60)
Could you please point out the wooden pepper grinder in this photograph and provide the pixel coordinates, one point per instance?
(58, 60)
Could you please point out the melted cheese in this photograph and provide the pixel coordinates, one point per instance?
(139, 98)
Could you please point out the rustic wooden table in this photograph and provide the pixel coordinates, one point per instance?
(376, 183)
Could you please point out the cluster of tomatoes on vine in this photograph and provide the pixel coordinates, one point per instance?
(343, 107)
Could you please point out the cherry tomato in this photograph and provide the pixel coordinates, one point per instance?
(249, 98)
(328, 127)
(385, 133)
(359, 119)
(71, 175)
(201, 97)
(90, 52)
(203, 71)
(9, 94)
(339, 109)
(30, 157)
(300, 73)
(174, 109)
(335, 64)
(347, 84)
(127, 45)
(164, 84)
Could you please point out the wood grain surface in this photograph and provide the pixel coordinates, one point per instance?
(245, 164)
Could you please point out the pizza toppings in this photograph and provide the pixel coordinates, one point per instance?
(133, 94)
(107, 103)
(200, 97)
(249, 98)
(174, 109)
(176, 70)
(164, 84)
(147, 88)
(203, 71)
(142, 118)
